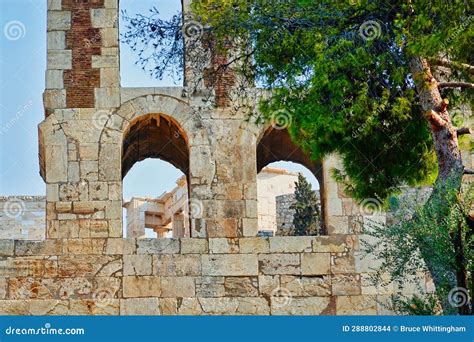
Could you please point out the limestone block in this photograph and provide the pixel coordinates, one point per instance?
(54, 5)
(88, 265)
(137, 265)
(46, 247)
(54, 98)
(346, 284)
(120, 246)
(315, 263)
(56, 40)
(140, 306)
(105, 62)
(229, 265)
(279, 263)
(306, 286)
(267, 284)
(109, 37)
(210, 287)
(109, 77)
(83, 246)
(249, 227)
(94, 307)
(6, 247)
(107, 97)
(291, 244)
(177, 265)
(3, 288)
(338, 225)
(241, 286)
(59, 59)
(342, 263)
(103, 17)
(198, 246)
(56, 159)
(300, 306)
(254, 245)
(141, 287)
(109, 162)
(234, 306)
(158, 246)
(356, 305)
(333, 243)
(59, 20)
(169, 306)
(223, 245)
(33, 307)
(54, 79)
(173, 287)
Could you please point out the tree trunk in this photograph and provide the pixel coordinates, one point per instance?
(450, 167)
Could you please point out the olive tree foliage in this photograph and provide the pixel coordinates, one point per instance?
(435, 238)
(339, 70)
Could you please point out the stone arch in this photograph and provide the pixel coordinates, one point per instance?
(275, 144)
(156, 126)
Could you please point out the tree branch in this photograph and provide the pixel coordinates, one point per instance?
(455, 65)
(468, 171)
(465, 85)
(463, 130)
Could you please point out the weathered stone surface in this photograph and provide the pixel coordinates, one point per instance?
(342, 263)
(141, 287)
(333, 243)
(279, 263)
(346, 284)
(210, 287)
(300, 286)
(6, 247)
(223, 246)
(241, 286)
(254, 245)
(88, 265)
(196, 246)
(299, 306)
(230, 265)
(137, 265)
(158, 246)
(291, 244)
(315, 263)
(174, 287)
(140, 306)
(177, 265)
(356, 305)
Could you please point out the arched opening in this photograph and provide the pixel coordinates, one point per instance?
(155, 136)
(279, 161)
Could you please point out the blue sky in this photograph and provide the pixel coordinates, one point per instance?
(22, 69)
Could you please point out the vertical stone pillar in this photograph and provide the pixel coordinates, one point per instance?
(82, 90)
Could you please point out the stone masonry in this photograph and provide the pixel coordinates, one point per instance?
(93, 133)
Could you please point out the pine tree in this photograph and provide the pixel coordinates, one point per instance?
(307, 217)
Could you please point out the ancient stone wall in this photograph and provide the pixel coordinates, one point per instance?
(22, 217)
(88, 141)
